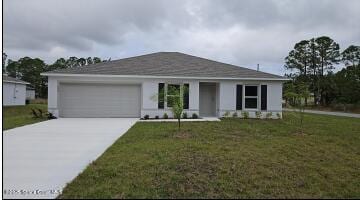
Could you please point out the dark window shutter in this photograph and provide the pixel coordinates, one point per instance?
(239, 97)
(161, 96)
(264, 97)
(186, 96)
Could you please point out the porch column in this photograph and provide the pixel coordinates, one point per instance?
(194, 96)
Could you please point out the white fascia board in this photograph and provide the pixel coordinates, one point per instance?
(24, 83)
(160, 77)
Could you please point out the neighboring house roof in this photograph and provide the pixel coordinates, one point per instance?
(8, 79)
(167, 64)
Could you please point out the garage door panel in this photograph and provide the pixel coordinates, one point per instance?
(99, 100)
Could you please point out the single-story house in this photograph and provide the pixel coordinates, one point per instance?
(14, 91)
(126, 87)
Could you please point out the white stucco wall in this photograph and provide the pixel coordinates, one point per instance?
(149, 99)
(228, 98)
(225, 97)
(14, 94)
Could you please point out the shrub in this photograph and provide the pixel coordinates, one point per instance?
(258, 114)
(235, 114)
(184, 115)
(269, 115)
(226, 114)
(34, 113)
(245, 114)
(165, 116)
(146, 117)
(195, 116)
(157, 117)
(278, 115)
(50, 116)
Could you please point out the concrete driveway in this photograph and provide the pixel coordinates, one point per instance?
(39, 159)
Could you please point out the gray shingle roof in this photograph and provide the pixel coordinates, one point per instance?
(168, 64)
(12, 80)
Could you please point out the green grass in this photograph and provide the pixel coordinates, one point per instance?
(233, 158)
(15, 116)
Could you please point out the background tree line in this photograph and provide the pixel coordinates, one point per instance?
(312, 63)
(29, 69)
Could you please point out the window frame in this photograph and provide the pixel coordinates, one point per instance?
(181, 85)
(251, 97)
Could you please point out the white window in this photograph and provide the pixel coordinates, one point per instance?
(251, 97)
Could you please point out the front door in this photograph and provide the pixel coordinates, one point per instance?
(207, 99)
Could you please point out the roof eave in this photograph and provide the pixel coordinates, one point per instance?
(18, 82)
(167, 77)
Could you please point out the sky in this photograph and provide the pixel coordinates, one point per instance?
(240, 32)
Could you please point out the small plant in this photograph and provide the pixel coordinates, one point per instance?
(235, 115)
(245, 114)
(227, 114)
(184, 115)
(278, 115)
(258, 114)
(34, 113)
(40, 112)
(165, 116)
(50, 116)
(269, 115)
(146, 117)
(195, 116)
(157, 117)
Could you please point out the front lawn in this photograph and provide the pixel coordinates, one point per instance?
(233, 158)
(15, 116)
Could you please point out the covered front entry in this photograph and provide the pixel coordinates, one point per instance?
(207, 95)
(99, 100)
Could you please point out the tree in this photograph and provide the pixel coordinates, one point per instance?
(29, 69)
(97, 60)
(298, 92)
(89, 61)
(348, 85)
(351, 56)
(174, 98)
(81, 62)
(72, 62)
(58, 64)
(329, 55)
(299, 59)
(312, 59)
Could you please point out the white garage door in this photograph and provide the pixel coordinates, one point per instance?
(99, 100)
